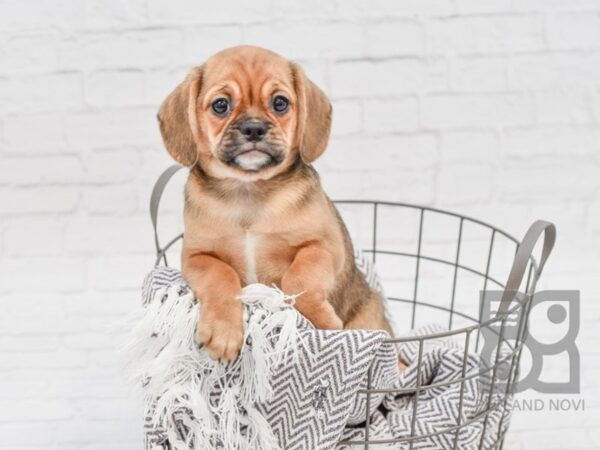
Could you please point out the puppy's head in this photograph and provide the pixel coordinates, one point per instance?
(247, 113)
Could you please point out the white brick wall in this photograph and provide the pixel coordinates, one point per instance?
(487, 107)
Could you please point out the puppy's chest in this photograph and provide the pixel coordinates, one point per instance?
(259, 244)
(250, 243)
(261, 258)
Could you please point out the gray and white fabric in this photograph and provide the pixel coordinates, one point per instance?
(438, 407)
(315, 400)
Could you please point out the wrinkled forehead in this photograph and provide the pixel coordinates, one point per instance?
(249, 75)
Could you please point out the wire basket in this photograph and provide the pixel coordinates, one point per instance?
(441, 266)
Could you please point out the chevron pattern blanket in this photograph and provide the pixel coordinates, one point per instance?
(294, 387)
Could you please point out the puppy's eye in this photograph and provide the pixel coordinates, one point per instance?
(221, 106)
(280, 104)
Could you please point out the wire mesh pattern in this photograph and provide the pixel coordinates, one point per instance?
(470, 334)
(398, 250)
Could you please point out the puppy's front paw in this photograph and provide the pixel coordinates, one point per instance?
(221, 331)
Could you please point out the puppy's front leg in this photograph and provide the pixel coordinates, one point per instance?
(217, 287)
(313, 273)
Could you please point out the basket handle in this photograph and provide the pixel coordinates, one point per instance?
(522, 258)
(157, 192)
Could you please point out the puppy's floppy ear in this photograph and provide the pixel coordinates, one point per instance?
(177, 119)
(314, 116)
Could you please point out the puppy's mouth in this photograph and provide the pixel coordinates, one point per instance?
(251, 156)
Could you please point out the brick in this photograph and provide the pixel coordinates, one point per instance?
(34, 133)
(455, 111)
(395, 38)
(305, 9)
(115, 88)
(119, 235)
(594, 216)
(111, 13)
(305, 40)
(32, 93)
(31, 200)
(30, 53)
(148, 48)
(79, 386)
(574, 30)
(391, 152)
(189, 11)
(17, 388)
(10, 344)
(469, 146)
(551, 70)
(39, 14)
(115, 304)
(402, 186)
(595, 100)
(479, 74)
(552, 141)
(560, 107)
(27, 433)
(484, 6)
(39, 236)
(95, 409)
(82, 341)
(402, 76)
(109, 199)
(456, 181)
(347, 118)
(103, 358)
(100, 434)
(118, 272)
(112, 166)
(407, 8)
(555, 5)
(485, 34)
(112, 128)
(59, 359)
(41, 409)
(43, 274)
(39, 171)
(160, 83)
(392, 115)
(99, 324)
(204, 41)
(41, 325)
(549, 180)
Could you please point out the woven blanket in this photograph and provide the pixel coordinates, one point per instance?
(295, 387)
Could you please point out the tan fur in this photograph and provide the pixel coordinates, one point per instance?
(301, 244)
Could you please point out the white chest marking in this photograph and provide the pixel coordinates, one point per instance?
(249, 252)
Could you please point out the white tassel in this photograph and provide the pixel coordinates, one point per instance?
(182, 381)
(260, 433)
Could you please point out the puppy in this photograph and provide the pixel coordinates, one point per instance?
(248, 124)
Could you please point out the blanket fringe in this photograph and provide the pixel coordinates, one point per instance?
(200, 402)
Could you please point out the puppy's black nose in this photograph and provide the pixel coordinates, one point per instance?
(252, 130)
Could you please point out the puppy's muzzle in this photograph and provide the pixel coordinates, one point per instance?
(249, 147)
